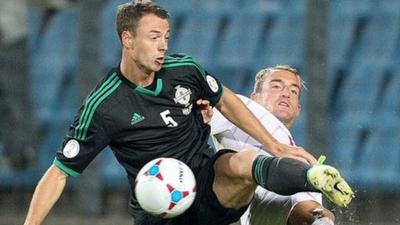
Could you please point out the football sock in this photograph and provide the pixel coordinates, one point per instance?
(284, 176)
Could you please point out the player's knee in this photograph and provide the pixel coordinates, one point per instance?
(306, 212)
(233, 183)
(237, 165)
(241, 164)
(329, 214)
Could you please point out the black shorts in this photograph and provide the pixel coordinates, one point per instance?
(206, 209)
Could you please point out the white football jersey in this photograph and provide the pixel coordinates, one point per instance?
(267, 208)
(227, 135)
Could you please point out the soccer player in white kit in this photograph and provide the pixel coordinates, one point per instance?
(275, 101)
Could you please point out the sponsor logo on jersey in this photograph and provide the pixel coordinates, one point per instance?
(136, 118)
(71, 149)
(212, 83)
(182, 95)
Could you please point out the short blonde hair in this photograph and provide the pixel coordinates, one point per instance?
(262, 74)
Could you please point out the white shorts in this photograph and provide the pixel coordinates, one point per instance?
(269, 208)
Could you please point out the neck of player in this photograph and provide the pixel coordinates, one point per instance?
(136, 73)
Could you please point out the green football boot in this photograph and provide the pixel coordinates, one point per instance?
(328, 180)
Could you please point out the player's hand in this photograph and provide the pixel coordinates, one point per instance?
(206, 110)
(298, 153)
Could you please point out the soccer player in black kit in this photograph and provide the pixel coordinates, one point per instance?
(147, 108)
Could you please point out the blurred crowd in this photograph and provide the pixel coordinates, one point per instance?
(20, 131)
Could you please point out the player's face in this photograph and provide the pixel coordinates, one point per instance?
(149, 45)
(280, 95)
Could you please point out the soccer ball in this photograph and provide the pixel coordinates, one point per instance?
(165, 187)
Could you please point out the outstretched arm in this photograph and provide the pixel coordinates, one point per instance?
(236, 112)
(47, 192)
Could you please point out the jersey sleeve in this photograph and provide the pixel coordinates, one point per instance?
(86, 137)
(212, 88)
(219, 123)
(267, 119)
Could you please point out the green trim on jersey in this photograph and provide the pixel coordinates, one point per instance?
(171, 61)
(148, 92)
(91, 104)
(62, 167)
(258, 169)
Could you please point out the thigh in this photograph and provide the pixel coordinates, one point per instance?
(207, 210)
(234, 184)
(268, 208)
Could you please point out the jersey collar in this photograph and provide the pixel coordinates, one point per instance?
(146, 91)
(153, 89)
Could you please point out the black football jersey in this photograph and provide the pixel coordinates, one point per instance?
(143, 123)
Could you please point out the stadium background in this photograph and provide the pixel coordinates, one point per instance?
(347, 50)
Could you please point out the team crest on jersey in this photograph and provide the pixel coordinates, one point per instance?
(182, 96)
(212, 83)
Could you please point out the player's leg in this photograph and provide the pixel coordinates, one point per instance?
(234, 182)
(237, 176)
(206, 208)
(306, 212)
(267, 208)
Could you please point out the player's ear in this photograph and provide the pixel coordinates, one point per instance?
(299, 109)
(127, 39)
(253, 96)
